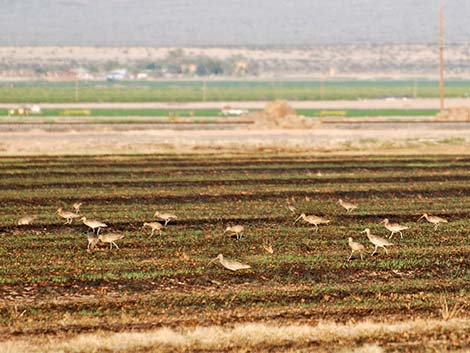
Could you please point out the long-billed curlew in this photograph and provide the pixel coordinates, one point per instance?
(348, 206)
(231, 265)
(76, 206)
(355, 246)
(377, 241)
(394, 228)
(69, 216)
(110, 238)
(92, 240)
(434, 220)
(236, 230)
(313, 220)
(154, 226)
(23, 221)
(291, 208)
(167, 217)
(93, 224)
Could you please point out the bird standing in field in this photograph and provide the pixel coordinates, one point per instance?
(92, 240)
(236, 230)
(355, 246)
(313, 220)
(291, 208)
(378, 242)
(434, 220)
(69, 216)
(167, 217)
(23, 221)
(76, 206)
(231, 265)
(394, 228)
(348, 206)
(93, 224)
(154, 226)
(110, 238)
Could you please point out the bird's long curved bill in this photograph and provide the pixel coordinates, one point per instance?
(212, 261)
(421, 217)
(297, 219)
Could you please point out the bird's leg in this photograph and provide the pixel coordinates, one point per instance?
(401, 235)
(352, 252)
(316, 228)
(166, 222)
(375, 250)
(435, 227)
(117, 247)
(386, 251)
(390, 236)
(66, 221)
(98, 231)
(151, 233)
(360, 252)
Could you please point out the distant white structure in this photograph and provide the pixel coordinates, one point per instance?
(117, 75)
(25, 110)
(35, 109)
(227, 111)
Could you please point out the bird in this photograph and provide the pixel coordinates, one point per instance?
(154, 226)
(69, 216)
(92, 240)
(355, 246)
(291, 208)
(167, 217)
(236, 230)
(76, 206)
(434, 220)
(231, 265)
(348, 206)
(26, 220)
(394, 228)
(110, 238)
(93, 224)
(377, 241)
(313, 220)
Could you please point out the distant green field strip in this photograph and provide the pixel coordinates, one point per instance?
(352, 113)
(193, 91)
(217, 113)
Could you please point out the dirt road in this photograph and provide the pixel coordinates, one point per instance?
(365, 138)
(390, 103)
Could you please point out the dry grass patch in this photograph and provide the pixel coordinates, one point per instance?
(248, 335)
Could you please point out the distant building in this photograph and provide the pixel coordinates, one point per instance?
(142, 76)
(117, 75)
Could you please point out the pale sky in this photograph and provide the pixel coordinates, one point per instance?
(228, 22)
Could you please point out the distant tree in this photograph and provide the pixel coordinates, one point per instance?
(201, 70)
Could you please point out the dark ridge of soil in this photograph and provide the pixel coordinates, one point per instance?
(232, 182)
(235, 162)
(131, 172)
(163, 200)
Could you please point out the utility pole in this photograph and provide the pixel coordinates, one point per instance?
(441, 57)
(204, 91)
(76, 88)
